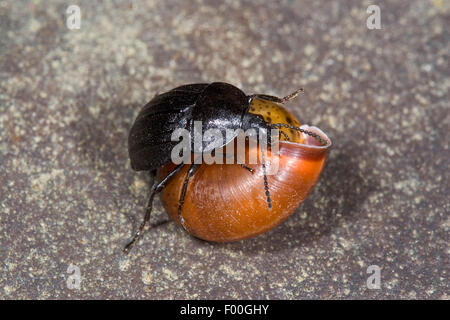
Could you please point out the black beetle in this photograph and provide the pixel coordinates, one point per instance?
(217, 105)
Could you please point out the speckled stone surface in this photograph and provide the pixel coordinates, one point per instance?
(69, 196)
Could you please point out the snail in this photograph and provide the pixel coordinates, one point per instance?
(222, 202)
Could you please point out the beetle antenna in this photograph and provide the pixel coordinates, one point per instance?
(310, 133)
(289, 97)
(292, 96)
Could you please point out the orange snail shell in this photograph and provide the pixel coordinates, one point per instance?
(225, 202)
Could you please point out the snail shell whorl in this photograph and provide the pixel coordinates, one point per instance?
(225, 202)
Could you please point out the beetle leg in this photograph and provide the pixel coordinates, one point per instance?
(192, 170)
(266, 185)
(243, 165)
(246, 167)
(285, 135)
(155, 189)
(283, 100)
(312, 134)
